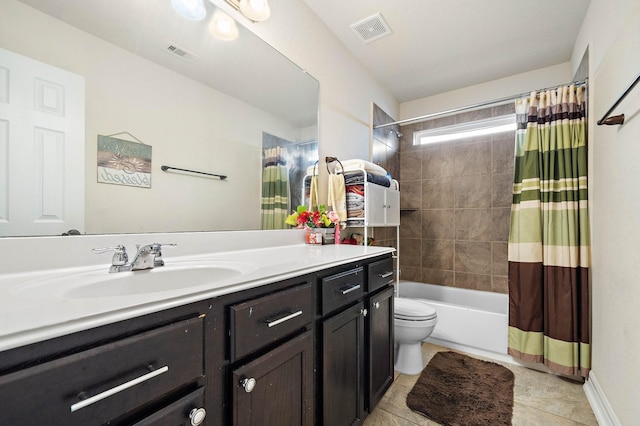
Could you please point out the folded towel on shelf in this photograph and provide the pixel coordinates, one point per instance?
(355, 165)
(337, 200)
(358, 178)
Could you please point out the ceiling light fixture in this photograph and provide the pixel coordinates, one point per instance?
(223, 26)
(190, 9)
(256, 10)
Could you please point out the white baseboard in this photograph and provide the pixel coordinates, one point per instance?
(599, 403)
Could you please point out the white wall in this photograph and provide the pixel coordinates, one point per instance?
(346, 87)
(611, 31)
(189, 125)
(491, 90)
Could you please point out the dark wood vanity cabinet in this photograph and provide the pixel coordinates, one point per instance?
(272, 357)
(380, 352)
(315, 349)
(153, 376)
(276, 389)
(343, 367)
(356, 340)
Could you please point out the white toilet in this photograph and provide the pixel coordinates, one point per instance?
(414, 320)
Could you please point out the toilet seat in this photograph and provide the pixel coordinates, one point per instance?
(413, 309)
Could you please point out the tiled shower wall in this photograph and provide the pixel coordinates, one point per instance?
(455, 206)
(386, 153)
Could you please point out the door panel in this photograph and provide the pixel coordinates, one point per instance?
(41, 148)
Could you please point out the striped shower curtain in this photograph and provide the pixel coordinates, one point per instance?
(275, 188)
(549, 233)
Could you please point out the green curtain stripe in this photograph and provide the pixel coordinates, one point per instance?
(566, 353)
(569, 162)
(550, 197)
(526, 342)
(572, 233)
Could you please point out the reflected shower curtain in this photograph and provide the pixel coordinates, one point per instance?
(549, 233)
(275, 188)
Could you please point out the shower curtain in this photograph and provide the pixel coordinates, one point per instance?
(275, 188)
(549, 233)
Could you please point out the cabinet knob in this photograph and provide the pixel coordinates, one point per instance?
(363, 312)
(248, 384)
(376, 305)
(197, 416)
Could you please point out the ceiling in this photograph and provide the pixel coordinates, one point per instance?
(442, 45)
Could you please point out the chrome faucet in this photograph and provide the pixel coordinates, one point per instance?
(147, 257)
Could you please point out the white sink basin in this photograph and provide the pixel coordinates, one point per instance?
(96, 284)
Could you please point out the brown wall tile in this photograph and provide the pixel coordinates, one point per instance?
(473, 281)
(437, 254)
(473, 257)
(473, 191)
(437, 193)
(438, 224)
(499, 259)
(411, 224)
(473, 224)
(501, 223)
(462, 191)
(438, 276)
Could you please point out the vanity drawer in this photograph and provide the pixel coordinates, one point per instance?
(99, 384)
(258, 322)
(341, 289)
(178, 413)
(380, 274)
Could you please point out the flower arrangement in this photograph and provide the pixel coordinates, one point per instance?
(303, 218)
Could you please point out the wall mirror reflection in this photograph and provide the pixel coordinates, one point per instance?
(143, 74)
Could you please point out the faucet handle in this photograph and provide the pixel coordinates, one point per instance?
(157, 261)
(120, 257)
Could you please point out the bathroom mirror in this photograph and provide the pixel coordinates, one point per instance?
(154, 78)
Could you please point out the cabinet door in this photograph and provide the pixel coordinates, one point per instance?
(380, 346)
(277, 388)
(392, 201)
(375, 210)
(343, 367)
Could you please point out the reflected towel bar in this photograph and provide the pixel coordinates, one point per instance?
(617, 119)
(165, 168)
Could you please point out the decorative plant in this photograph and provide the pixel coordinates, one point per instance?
(303, 218)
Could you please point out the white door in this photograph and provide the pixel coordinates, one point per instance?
(392, 200)
(41, 148)
(374, 204)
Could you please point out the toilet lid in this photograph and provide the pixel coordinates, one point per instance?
(413, 309)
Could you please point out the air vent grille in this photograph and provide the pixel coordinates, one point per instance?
(180, 53)
(371, 28)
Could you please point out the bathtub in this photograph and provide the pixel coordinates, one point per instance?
(471, 320)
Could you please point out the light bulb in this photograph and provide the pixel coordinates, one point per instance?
(256, 10)
(223, 26)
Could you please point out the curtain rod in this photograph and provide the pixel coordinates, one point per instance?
(478, 105)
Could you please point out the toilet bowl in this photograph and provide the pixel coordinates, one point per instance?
(414, 320)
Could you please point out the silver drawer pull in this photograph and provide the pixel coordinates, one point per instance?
(386, 274)
(119, 388)
(283, 319)
(350, 289)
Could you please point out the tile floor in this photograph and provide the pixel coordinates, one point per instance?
(539, 399)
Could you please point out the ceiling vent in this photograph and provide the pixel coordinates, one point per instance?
(180, 53)
(371, 28)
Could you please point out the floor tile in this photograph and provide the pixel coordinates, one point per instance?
(539, 399)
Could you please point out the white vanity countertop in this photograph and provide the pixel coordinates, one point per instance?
(27, 318)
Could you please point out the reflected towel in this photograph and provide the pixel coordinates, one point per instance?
(313, 193)
(337, 196)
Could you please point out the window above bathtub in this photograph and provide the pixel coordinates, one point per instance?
(487, 126)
